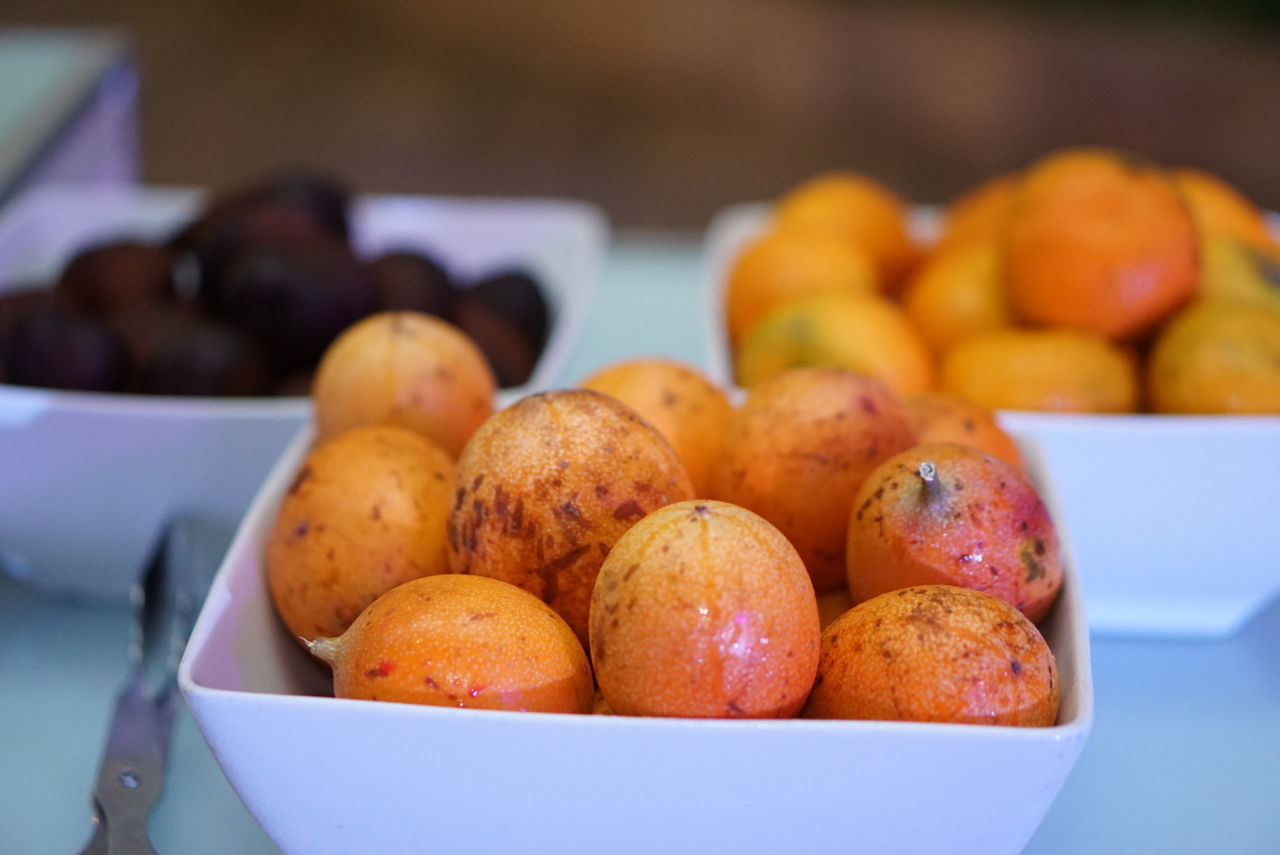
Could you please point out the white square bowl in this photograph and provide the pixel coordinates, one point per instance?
(1172, 517)
(86, 479)
(323, 775)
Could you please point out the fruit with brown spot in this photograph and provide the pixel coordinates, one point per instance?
(936, 653)
(944, 513)
(547, 486)
(365, 512)
(798, 448)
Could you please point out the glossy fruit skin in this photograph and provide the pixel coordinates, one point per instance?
(365, 512)
(1098, 241)
(461, 641)
(936, 653)
(973, 521)
(545, 488)
(798, 448)
(703, 609)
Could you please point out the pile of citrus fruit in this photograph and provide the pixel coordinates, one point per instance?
(1090, 281)
(638, 545)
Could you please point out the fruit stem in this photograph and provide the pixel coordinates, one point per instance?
(323, 648)
(928, 473)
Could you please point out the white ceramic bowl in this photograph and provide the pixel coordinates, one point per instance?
(1171, 516)
(323, 775)
(86, 479)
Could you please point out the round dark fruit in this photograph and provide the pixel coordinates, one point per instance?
(56, 347)
(404, 280)
(517, 296)
(116, 275)
(509, 350)
(144, 328)
(289, 207)
(207, 360)
(295, 298)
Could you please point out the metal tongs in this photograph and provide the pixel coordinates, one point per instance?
(131, 775)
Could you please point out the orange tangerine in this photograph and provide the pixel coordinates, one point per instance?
(859, 209)
(956, 292)
(784, 264)
(1054, 370)
(978, 215)
(1240, 270)
(1101, 242)
(1218, 207)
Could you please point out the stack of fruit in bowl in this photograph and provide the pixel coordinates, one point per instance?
(1114, 312)
(157, 344)
(650, 564)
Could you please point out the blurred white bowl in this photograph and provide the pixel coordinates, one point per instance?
(1170, 516)
(86, 479)
(323, 775)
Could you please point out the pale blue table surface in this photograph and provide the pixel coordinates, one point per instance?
(1184, 756)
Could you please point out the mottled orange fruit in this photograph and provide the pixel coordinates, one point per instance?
(957, 292)
(798, 448)
(687, 408)
(978, 215)
(1098, 241)
(784, 264)
(1219, 208)
(547, 486)
(703, 609)
(405, 368)
(861, 210)
(944, 513)
(461, 641)
(1217, 356)
(1053, 370)
(936, 653)
(939, 417)
(365, 512)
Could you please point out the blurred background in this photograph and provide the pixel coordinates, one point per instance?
(663, 111)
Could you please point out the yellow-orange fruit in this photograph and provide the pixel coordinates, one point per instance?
(944, 513)
(958, 292)
(1099, 242)
(1217, 356)
(940, 417)
(784, 264)
(686, 408)
(936, 653)
(703, 609)
(1218, 208)
(978, 215)
(365, 512)
(865, 333)
(1054, 370)
(798, 448)
(404, 368)
(461, 641)
(859, 209)
(545, 488)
